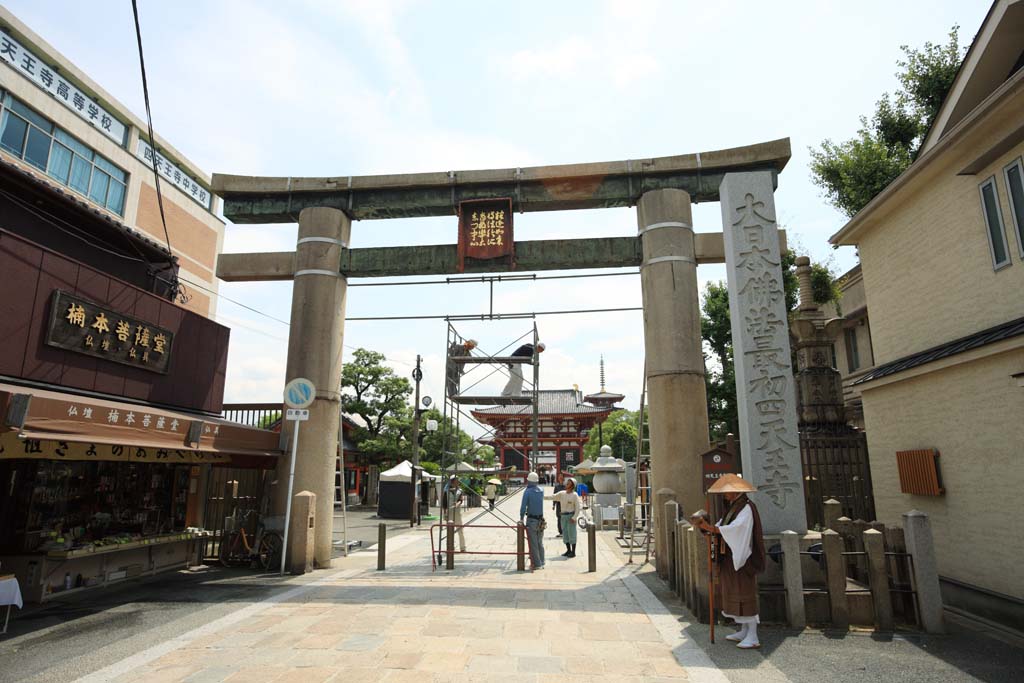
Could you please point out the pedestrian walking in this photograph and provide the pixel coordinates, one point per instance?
(532, 510)
(454, 371)
(491, 493)
(454, 499)
(514, 387)
(557, 506)
(569, 503)
(740, 555)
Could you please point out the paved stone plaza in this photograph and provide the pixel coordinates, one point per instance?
(483, 621)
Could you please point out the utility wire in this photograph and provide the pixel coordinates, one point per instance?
(492, 316)
(152, 141)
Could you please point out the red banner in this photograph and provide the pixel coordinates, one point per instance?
(485, 230)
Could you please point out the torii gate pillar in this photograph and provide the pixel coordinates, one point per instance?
(675, 361)
(314, 352)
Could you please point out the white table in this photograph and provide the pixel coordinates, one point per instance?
(10, 594)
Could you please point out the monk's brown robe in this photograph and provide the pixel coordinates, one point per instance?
(739, 588)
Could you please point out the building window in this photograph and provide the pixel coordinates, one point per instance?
(30, 137)
(832, 348)
(1015, 189)
(852, 354)
(994, 223)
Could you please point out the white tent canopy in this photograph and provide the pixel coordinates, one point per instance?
(403, 472)
(461, 467)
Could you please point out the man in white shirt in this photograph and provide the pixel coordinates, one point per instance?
(569, 512)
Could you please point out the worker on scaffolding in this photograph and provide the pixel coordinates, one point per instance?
(453, 371)
(515, 380)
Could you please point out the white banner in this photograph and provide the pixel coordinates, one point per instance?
(46, 77)
(174, 175)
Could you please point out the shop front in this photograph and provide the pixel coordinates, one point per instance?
(110, 435)
(88, 502)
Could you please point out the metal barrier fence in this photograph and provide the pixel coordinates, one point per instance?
(436, 552)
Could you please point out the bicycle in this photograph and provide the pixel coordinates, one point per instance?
(264, 551)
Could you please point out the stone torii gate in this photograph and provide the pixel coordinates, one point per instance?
(666, 250)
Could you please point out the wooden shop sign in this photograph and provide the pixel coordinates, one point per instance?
(84, 327)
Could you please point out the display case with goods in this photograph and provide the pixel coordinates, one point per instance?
(72, 525)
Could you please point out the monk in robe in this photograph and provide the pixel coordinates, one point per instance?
(740, 556)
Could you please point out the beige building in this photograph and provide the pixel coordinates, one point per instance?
(942, 263)
(853, 355)
(60, 125)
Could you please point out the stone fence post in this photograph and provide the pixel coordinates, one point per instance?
(874, 546)
(835, 566)
(671, 517)
(793, 579)
(917, 531)
(833, 511)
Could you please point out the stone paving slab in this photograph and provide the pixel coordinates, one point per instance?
(482, 621)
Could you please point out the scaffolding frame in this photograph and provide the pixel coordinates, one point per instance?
(452, 412)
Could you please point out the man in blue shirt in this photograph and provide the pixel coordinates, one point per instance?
(532, 510)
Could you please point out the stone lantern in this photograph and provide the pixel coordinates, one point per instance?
(607, 484)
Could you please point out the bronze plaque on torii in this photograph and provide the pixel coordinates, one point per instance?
(485, 230)
(84, 327)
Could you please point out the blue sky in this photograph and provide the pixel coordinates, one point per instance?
(378, 86)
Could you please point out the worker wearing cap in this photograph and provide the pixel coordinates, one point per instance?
(740, 557)
(454, 371)
(515, 370)
(532, 510)
(454, 497)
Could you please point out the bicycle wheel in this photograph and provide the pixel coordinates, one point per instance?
(582, 522)
(227, 553)
(269, 551)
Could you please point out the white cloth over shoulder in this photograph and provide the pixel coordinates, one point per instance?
(738, 534)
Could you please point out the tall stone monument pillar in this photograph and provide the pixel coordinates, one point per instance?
(675, 362)
(314, 352)
(769, 441)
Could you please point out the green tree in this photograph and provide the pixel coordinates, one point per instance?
(619, 432)
(433, 442)
(372, 390)
(852, 172)
(716, 330)
(375, 393)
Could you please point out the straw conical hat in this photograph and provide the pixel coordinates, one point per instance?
(732, 483)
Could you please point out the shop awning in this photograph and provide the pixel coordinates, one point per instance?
(112, 427)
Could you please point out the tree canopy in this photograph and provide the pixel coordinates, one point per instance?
(619, 432)
(372, 390)
(716, 330)
(852, 172)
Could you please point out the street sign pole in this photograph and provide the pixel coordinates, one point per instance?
(291, 485)
(299, 394)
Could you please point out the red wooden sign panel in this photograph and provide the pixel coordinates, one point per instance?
(485, 230)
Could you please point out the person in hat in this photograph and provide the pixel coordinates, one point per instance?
(491, 492)
(454, 371)
(740, 557)
(514, 387)
(532, 510)
(568, 511)
(454, 498)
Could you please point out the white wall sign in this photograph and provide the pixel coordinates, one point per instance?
(174, 175)
(47, 77)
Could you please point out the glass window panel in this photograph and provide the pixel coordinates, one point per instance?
(60, 162)
(81, 170)
(115, 197)
(109, 168)
(78, 147)
(13, 136)
(995, 223)
(1015, 188)
(37, 149)
(98, 190)
(35, 118)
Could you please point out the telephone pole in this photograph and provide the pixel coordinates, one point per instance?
(417, 375)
